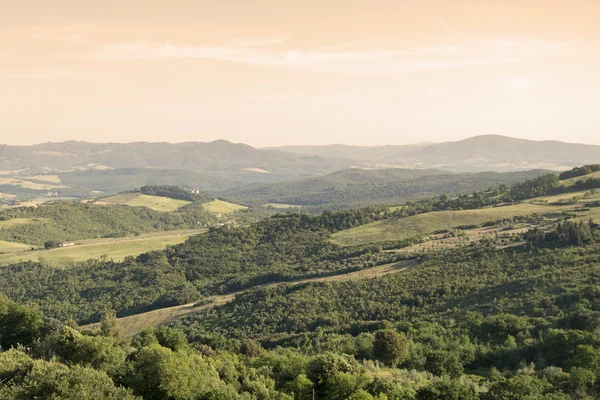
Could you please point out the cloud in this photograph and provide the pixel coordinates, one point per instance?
(457, 53)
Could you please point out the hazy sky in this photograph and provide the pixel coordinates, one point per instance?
(279, 72)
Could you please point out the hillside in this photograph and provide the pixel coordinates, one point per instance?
(476, 154)
(215, 156)
(501, 153)
(360, 153)
(358, 188)
(508, 312)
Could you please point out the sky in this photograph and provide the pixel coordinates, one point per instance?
(280, 72)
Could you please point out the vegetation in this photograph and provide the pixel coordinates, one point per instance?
(176, 192)
(283, 313)
(116, 249)
(68, 221)
(360, 188)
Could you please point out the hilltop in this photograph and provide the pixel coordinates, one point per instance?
(479, 153)
(359, 187)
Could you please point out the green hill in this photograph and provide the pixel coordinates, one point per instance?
(359, 188)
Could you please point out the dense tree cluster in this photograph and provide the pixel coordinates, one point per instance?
(72, 220)
(579, 171)
(176, 192)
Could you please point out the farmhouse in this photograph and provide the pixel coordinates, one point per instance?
(67, 244)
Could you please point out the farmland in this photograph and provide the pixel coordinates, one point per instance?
(27, 184)
(222, 207)
(423, 224)
(115, 249)
(156, 203)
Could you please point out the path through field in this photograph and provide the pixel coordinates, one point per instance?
(135, 323)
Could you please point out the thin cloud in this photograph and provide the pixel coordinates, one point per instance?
(456, 54)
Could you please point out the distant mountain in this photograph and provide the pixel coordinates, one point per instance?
(500, 153)
(476, 154)
(360, 153)
(357, 187)
(220, 156)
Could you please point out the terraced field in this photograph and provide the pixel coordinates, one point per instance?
(423, 224)
(135, 323)
(115, 249)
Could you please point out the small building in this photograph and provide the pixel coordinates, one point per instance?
(67, 244)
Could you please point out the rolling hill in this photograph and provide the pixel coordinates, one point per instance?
(357, 187)
(479, 153)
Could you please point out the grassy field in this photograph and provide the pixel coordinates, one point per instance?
(157, 203)
(20, 221)
(571, 181)
(403, 228)
(222, 207)
(45, 178)
(115, 249)
(28, 184)
(136, 323)
(7, 248)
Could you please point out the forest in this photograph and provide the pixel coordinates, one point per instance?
(480, 321)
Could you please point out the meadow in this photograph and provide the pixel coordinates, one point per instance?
(156, 203)
(222, 207)
(423, 224)
(115, 249)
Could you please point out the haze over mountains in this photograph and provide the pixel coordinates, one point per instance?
(479, 153)
(218, 166)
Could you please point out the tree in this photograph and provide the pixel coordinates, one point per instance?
(390, 347)
(19, 324)
(51, 244)
(250, 348)
(160, 373)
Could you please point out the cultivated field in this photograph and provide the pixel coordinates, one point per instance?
(423, 224)
(157, 203)
(136, 323)
(29, 184)
(7, 248)
(222, 207)
(115, 249)
(45, 178)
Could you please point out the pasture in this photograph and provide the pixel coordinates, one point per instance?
(222, 207)
(134, 199)
(29, 184)
(9, 223)
(423, 224)
(115, 249)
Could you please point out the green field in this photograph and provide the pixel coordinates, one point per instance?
(571, 181)
(115, 249)
(404, 228)
(28, 184)
(20, 221)
(10, 247)
(222, 207)
(156, 203)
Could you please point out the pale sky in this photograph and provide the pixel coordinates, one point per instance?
(279, 72)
